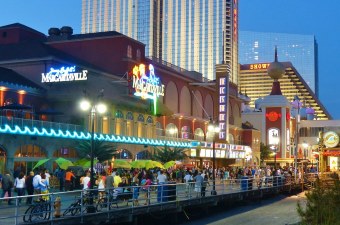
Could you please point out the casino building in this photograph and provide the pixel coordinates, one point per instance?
(255, 82)
(150, 102)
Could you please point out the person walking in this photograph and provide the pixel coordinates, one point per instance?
(69, 177)
(7, 184)
(19, 185)
(29, 187)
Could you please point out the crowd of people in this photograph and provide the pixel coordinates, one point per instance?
(134, 181)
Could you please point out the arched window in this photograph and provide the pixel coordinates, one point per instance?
(140, 118)
(171, 130)
(129, 116)
(129, 51)
(138, 54)
(143, 155)
(123, 154)
(185, 132)
(149, 119)
(65, 152)
(29, 151)
(119, 114)
(199, 134)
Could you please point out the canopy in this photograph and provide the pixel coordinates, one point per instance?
(120, 163)
(63, 163)
(153, 164)
(138, 164)
(40, 162)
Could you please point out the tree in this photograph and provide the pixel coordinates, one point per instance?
(265, 152)
(166, 154)
(101, 150)
(322, 207)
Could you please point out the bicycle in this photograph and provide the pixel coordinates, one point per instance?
(75, 207)
(39, 210)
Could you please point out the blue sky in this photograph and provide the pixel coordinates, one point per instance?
(312, 17)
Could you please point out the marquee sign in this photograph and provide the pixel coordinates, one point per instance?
(63, 74)
(147, 86)
(222, 107)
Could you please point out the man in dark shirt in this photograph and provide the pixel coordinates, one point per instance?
(29, 187)
(7, 184)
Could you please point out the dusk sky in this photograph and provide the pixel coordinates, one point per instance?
(309, 17)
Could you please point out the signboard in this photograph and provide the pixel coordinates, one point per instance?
(146, 85)
(331, 139)
(222, 107)
(64, 74)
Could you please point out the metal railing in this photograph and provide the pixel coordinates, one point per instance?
(76, 204)
(39, 124)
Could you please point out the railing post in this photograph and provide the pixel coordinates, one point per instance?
(16, 210)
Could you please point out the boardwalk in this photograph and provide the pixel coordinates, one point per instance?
(171, 198)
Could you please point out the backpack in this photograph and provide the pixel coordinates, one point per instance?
(35, 181)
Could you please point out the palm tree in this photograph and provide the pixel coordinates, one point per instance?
(265, 152)
(101, 150)
(166, 154)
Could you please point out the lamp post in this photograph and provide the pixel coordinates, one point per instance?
(297, 105)
(95, 107)
(274, 147)
(213, 128)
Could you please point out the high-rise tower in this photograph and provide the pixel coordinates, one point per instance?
(187, 33)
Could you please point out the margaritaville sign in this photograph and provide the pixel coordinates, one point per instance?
(146, 85)
(63, 74)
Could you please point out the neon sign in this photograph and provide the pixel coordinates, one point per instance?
(63, 74)
(222, 107)
(259, 66)
(147, 86)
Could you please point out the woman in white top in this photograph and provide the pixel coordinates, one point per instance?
(19, 185)
(101, 186)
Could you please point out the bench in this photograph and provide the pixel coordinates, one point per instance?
(122, 197)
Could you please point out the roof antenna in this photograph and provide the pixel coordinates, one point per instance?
(276, 53)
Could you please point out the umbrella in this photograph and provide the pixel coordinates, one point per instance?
(63, 163)
(85, 163)
(169, 164)
(119, 163)
(49, 112)
(138, 164)
(40, 162)
(16, 106)
(153, 164)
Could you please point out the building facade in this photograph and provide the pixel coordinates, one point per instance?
(255, 82)
(194, 35)
(300, 50)
(43, 79)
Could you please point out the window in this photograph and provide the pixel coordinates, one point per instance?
(138, 54)
(129, 51)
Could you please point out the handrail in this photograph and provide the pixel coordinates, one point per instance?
(154, 194)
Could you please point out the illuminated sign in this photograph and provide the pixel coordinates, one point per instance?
(259, 66)
(331, 139)
(63, 74)
(273, 116)
(273, 136)
(222, 107)
(147, 86)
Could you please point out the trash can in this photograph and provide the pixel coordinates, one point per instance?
(244, 183)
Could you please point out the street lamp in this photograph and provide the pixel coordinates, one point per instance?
(95, 107)
(213, 128)
(274, 147)
(296, 104)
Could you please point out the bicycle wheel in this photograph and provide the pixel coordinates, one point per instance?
(37, 213)
(102, 204)
(71, 209)
(27, 215)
